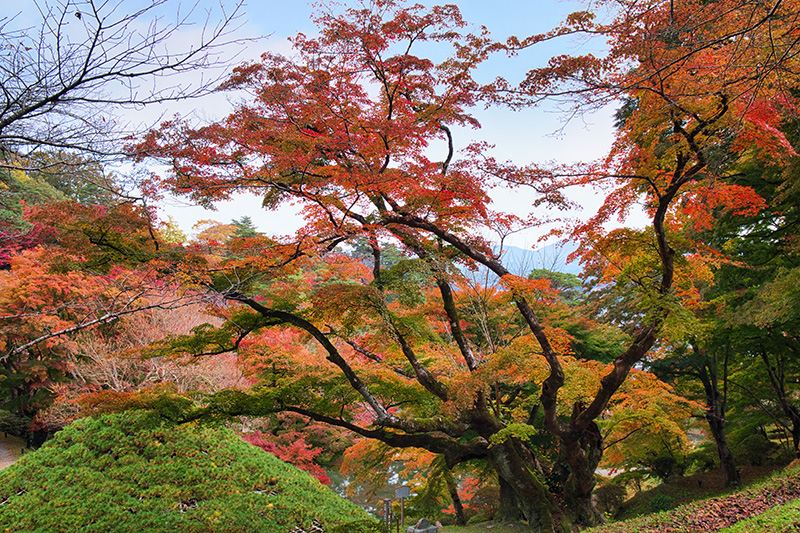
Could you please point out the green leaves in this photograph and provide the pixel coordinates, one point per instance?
(516, 430)
(778, 302)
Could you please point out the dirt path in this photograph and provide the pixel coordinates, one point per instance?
(10, 450)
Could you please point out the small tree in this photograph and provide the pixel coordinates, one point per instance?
(63, 82)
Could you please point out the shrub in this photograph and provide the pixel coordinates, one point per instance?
(610, 498)
(137, 471)
(664, 467)
(631, 480)
(479, 518)
(661, 502)
(704, 458)
(13, 424)
(750, 443)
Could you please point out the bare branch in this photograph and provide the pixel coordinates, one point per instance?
(63, 84)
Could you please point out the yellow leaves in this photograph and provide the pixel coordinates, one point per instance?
(644, 416)
(211, 231)
(514, 430)
(520, 362)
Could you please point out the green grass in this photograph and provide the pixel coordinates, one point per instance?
(697, 494)
(689, 489)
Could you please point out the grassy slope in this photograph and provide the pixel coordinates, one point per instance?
(692, 488)
(776, 520)
(777, 496)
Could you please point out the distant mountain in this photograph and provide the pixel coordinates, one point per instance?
(521, 261)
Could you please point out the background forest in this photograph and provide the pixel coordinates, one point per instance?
(392, 339)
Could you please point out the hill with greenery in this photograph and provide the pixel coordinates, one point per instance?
(137, 471)
(771, 505)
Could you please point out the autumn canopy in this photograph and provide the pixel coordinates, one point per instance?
(391, 314)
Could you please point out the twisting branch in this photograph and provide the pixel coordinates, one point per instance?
(425, 378)
(376, 358)
(381, 413)
(455, 451)
(127, 309)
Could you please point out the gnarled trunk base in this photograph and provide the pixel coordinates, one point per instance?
(521, 486)
(582, 452)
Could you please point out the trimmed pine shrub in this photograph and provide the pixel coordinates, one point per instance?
(137, 471)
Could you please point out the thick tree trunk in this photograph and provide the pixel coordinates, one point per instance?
(509, 510)
(582, 453)
(520, 480)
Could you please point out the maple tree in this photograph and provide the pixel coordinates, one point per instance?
(356, 161)
(297, 452)
(704, 86)
(346, 128)
(758, 323)
(92, 266)
(717, 341)
(60, 177)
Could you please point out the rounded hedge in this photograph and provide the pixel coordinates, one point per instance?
(136, 471)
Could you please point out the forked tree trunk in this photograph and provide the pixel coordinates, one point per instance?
(777, 379)
(522, 486)
(715, 413)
